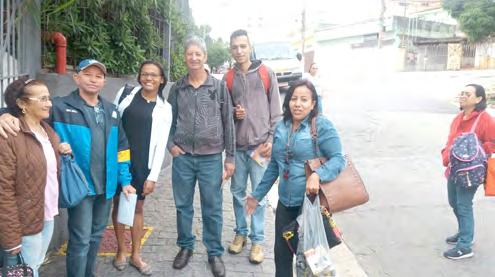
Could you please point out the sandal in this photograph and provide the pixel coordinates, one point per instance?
(144, 270)
(119, 265)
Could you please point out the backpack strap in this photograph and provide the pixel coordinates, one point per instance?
(127, 90)
(263, 72)
(473, 128)
(265, 78)
(229, 79)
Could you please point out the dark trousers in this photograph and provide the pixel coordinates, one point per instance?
(283, 255)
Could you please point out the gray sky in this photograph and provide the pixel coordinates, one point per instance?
(276, 17)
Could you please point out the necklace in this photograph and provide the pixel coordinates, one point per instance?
(148, 100)
(40, 131)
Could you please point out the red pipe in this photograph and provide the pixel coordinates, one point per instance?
(60, 52)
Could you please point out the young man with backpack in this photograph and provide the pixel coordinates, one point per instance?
(257, 108)
(471, 140)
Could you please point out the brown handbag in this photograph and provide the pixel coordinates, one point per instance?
(346, 191)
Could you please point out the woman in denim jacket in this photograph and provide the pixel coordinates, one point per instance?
(292, 146)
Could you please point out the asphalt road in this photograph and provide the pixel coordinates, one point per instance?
(394, 128)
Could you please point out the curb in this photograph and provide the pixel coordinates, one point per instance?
(345, 261)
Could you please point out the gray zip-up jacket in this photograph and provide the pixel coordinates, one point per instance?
(263, 110)
(202, 122)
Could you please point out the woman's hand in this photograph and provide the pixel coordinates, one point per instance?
(148, 187)
(15, 251)
(313, 184)
(176, 151)
(251, 204)
(64, 148)
(128, 189)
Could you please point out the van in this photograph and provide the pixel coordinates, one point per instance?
(282, 59)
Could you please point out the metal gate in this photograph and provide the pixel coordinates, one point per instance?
(11, 44)
(468, 55)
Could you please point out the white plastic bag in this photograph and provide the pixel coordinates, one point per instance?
(314, 244)
(127, 208)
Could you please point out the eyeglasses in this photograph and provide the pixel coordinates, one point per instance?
(465, 93)
(42, 99)
(28, 81)
(152, 75)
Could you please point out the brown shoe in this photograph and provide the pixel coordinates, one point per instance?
(256, 254)
(236, 246)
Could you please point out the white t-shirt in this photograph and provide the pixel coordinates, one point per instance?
(51, 188)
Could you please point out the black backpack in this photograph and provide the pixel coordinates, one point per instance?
(127, 90)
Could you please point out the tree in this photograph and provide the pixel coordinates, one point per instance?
(218, 53)
(476, 17)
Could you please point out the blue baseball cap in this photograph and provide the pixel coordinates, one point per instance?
(91, 62)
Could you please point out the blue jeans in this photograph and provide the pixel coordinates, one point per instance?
(207, 170)
(34, 248)
(244, 167)
(461, 201)
(87, 222)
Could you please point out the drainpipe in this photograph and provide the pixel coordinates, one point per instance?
(60, 52)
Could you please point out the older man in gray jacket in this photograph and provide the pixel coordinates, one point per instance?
(202, 127)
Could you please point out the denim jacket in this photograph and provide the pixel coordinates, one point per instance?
(298, 147)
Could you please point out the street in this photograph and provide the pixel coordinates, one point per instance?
(394, 127)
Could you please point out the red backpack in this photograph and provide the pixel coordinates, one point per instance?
(262, 70)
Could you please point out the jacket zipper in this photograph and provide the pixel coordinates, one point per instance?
(194, 120)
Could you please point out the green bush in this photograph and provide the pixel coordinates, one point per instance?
(121, 34)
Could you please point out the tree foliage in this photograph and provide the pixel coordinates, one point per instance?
(476, 17)
(121, 34)
(218, 50)
(218, 53)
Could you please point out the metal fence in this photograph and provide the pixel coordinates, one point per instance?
(14, 52)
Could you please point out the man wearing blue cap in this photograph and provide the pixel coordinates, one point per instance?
(91, 125)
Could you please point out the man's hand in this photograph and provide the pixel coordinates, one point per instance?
(239, 112)
(9, 124)
(313, 184)
(251, 204)
(265, 149)
(176, 151)
(64, 148)
(228, 171)
(128, 189)
(148, 187)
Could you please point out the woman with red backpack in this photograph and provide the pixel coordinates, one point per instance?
(470, 142)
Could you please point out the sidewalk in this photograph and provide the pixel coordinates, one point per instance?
(160, 249)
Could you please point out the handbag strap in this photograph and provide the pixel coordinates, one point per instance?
(20, 261)
(314, 136)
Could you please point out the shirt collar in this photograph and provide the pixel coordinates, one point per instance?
(185, 81)
(305, 122)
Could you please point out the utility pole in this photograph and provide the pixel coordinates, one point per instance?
(381, 31)
(168, 46)
(303, 27)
